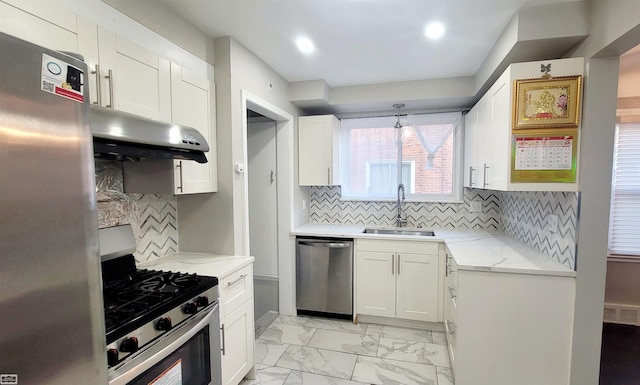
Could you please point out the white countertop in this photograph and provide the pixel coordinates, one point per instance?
(199, 263)
(477, 250)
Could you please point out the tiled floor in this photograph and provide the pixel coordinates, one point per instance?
(318, 351)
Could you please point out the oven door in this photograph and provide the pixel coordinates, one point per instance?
(187, 355)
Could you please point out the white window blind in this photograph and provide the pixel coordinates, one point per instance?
(624, 226)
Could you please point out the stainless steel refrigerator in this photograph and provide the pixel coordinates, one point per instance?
(51, 314)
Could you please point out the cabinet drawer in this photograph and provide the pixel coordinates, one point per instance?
(398, 246)
(235, 289)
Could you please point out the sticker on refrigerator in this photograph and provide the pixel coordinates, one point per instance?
(61, 78)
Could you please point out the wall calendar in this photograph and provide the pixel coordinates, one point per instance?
(544, 156)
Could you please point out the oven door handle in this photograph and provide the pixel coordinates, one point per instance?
(141, 363)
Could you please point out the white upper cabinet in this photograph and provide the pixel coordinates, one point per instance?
(318, 150)
(40, 22)
(132, 79)
(126, 76)
(475, 150)
(488, 135)
(192, 103)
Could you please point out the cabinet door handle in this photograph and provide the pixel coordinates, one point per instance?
(484, 176)
(393, 263)
(328, 175)
(110, 77)
(471, 170)
(240, 278)
(223, 342)
(398, 264)
(98, 86)
(179, 187)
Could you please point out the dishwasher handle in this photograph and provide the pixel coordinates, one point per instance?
(333, 245)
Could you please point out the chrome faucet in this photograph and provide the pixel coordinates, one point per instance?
(399, 220)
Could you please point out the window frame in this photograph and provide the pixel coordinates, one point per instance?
(611, 254)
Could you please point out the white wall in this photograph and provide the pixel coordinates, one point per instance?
(614, 30)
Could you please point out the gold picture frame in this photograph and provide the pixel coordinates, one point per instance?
(551, 102)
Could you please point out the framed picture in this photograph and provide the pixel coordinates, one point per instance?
(552, 102)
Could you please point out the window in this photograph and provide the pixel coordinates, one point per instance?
(427, 157)
(624, 238)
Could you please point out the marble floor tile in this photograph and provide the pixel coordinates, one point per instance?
(288, 334)
(337, 325)
(439, 338)
(291, 320)
(411, 351)
(344, 342)
(388, 372)
(268, 375)
(400, 333)
(304, 378)
(268, 352)
(318, 361)
(260, 330)
(445, 376)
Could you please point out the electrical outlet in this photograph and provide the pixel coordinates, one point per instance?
(475, 206)
(552, 223)
(304, 204)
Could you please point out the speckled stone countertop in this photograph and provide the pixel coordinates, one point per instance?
(477, 250)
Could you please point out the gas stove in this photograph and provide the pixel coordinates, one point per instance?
(141, 306)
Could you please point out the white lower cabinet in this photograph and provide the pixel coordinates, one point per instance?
(450, 317)
(505, 328)
(237, 344)
(237, 331)
(398, 279)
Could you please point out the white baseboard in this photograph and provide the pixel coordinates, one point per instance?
(435, 326)
(622, 314)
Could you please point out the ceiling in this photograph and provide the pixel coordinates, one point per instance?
(359, 41)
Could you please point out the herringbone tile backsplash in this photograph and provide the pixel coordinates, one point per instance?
(154, 218)
(523, 215)
(326, 207)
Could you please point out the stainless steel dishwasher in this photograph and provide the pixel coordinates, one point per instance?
(324, 276)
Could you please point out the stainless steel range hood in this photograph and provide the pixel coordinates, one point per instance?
(119, 135)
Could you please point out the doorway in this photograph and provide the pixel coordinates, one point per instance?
(263, 214)
(621, 332)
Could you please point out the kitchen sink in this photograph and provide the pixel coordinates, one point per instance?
(420, 233)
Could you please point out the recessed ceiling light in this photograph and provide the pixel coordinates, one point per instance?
(435, 30)
(305, 45)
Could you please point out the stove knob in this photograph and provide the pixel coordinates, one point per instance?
(202, 301)
(129, 345)
(190, 308)
(163, 323)
(112, 356)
